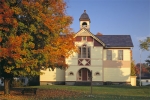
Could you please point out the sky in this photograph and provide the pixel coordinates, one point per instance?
(115, 17)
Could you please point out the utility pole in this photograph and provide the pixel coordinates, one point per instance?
(140, 66)
(91, 82)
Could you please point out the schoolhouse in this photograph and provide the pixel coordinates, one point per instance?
(102, 58)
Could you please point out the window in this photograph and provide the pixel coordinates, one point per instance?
(84, 52)
(83, 38)
(120, 54)
(84, 24)
(88, 52)
(109, 55)
(97, 73)
(71, 73)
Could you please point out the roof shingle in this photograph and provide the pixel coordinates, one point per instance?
(116, 40)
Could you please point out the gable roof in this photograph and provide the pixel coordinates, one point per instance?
(116, 40)
(85, 32)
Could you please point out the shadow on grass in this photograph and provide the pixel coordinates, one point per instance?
(125, 87)
(115, 97)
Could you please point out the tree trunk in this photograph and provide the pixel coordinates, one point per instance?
(7, 86)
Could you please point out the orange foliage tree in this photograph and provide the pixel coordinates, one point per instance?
(144, 69)
(33, 34)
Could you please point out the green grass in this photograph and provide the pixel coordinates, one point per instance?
(103, 92)
(63, 92)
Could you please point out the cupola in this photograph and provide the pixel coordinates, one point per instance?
(84, 21)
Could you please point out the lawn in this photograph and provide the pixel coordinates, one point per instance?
(62, 92)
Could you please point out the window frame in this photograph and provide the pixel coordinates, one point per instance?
(84, 24)
(109, 55)
(120, 55)
(84, 38)
(71, 74)
(97, 73)
(86, 53)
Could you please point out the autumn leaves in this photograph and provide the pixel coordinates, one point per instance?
(34, 34)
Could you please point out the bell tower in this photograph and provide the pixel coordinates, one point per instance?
(85, 21)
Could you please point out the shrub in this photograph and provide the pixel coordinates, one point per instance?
(138, 83)
(17, 83)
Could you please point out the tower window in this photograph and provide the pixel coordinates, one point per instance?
(84, 24)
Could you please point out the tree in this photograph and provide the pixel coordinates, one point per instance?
(144, 69)
(145, 44)
(33, 34)
(133, 72)
(148, 60)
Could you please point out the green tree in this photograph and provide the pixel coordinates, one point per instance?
(148, 60)
(145, 44)
(148, 63)
(133, 71)
(32, 36)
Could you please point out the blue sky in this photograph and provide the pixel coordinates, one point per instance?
(115, 17)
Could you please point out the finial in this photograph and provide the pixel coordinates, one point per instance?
(84, 11)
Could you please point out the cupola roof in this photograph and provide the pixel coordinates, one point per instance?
(84, 17)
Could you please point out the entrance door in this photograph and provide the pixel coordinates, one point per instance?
(84, 74)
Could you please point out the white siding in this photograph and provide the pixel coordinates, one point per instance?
(114, 54)
(96, 52)
(96, 56)
(71, 61)
(56, 75)
(73, 69)
(96, 62)
(97, 77)
(105, 54)
(126, 55)
(117, 74)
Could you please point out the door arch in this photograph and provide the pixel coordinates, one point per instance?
(84, 74)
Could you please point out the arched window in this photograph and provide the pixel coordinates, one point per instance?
(71, 73)
(97, 74)
(84, 24)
